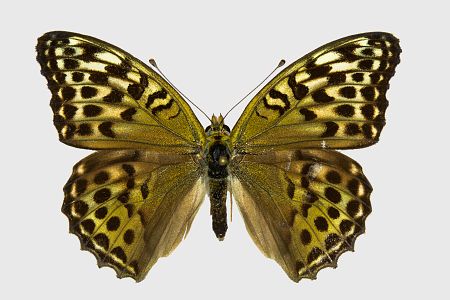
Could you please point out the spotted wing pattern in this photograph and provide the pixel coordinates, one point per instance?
(130, 208)
(103, 98)
(134, 200)
(302, 208)
(333, 97)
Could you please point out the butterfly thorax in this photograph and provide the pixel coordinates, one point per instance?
(218, 157)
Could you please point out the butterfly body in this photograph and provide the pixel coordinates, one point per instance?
(218, 156)
(134, 199)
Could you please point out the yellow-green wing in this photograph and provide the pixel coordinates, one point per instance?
(130, 208)
(302, 208)
(104, 98)
(333, 97)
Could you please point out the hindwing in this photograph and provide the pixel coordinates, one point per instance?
(302, 208)
(130, 208)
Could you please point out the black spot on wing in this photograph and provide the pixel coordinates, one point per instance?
(135, 90)
(114, 97)
(113, 223)
(309, 114)
(99, 78)
(127, 114)
(128, 236)
(119, 253)
(347, 53)
(69, 111)
(299, 90)
(143, 80)
(375, 78)
(358, 77)
(319, 71)
(368, 111)
(348, 92)
(345, 110)
(91, 110)
(321, 96)
(60, 77)
(130, 183)
(68, 93)
(101, 177)
(336, 78)
(368, 51)
(352, 129)
(88, 225)
(77, 76)
(314, 254)
(333, 195)
(84, 129)
(290, 188)
(333, 212)
(367, 131)
(118, 71)
(102, 240)
(368, 93)
(365, 64)
(129, 169)
(144, 190)
(71, 64)
(102, 195)
(305, 237)
(345, 226)
(80, 186)
(333, 177)
(89, 52)
(331, 129)
(55, 103)
(332, 241)
(321, 223)
(124, 197)
(105, 129)
(88, 92)
(68, 51)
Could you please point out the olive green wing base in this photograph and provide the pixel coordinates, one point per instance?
(129, 208)
(302, 208)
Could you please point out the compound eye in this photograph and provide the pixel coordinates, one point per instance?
(226, 128)
(208, 128)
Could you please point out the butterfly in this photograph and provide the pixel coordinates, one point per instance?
(134, 199)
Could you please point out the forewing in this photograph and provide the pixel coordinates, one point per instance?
(130, 208)
(302, 208)
(333, 97)
(104, 98)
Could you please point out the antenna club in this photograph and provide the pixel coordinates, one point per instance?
(281, 63)
(153, 62)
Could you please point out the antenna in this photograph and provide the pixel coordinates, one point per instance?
(153, 63)
(280, 64)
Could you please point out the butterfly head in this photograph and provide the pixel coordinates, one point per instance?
(217, 127)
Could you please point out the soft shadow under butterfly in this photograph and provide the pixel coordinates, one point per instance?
(133, 200)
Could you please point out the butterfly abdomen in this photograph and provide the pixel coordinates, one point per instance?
(218, 198)
(218, 157)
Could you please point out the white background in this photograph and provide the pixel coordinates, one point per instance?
(216, 53)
